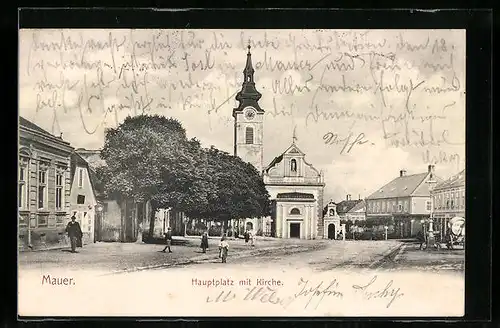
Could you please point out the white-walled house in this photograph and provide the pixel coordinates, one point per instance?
(83, 196)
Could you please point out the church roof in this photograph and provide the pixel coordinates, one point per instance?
(402, 186)
(248, 95)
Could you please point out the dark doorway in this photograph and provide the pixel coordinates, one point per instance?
(294, 230)
(331, 231)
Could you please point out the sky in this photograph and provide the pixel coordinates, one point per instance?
(364, 103)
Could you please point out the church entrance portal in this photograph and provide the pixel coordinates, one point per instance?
(294, 230)
(331, 231)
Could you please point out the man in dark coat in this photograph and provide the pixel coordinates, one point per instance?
(168, 239)
(204, 242)
(74, 232)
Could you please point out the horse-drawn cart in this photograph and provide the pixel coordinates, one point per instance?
(456, 236)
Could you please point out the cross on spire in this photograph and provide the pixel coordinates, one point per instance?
(294, 136)
(249, 45)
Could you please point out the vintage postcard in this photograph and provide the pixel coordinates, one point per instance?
(183, 173)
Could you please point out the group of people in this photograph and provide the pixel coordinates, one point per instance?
(223, 246)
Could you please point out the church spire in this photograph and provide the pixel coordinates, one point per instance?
(248, 71)
(248, 95)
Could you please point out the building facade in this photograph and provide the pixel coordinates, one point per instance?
(332, 223)
(295, 186)
(43, 187)
(83, 199)
(357, 213)
(403, 203)
(346, 205)
(448, 199)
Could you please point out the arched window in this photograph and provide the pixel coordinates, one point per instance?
(295, 211)
(293, 165)
(249, 135)
(332, 212)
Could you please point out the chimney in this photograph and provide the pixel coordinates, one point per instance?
(359, 196)
(430, 168)
(402, 173)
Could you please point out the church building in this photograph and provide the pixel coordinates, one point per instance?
(296, 188)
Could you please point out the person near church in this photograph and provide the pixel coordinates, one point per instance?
(168, 240)
(204, 242)
(74, 233)
(247, 236)
(252, 239)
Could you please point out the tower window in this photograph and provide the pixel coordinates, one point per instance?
(248, 78)
(293, 165)
(295, 211)
(249, 135)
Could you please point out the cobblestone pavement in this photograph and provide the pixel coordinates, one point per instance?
(130, 256)
(332, 255)
(409, 257)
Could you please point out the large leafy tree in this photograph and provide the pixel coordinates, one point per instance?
(237, 189)
(149, 158)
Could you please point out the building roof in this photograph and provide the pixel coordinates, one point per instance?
(455, 181)
(30, 125)
(402, 186)
(77, 160)
(24, 123)
(359, 206)
(346, 205)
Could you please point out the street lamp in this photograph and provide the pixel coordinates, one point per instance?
(431, 240)
(386, 227)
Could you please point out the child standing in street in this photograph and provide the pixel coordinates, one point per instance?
(224, 246)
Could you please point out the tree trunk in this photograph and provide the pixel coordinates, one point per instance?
(152, 222)
(140, 209)
(139, 234)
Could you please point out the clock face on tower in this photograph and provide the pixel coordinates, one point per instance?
(249, 113)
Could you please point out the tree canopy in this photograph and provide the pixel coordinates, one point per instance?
(150, 158)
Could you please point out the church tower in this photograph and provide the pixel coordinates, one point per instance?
(249, 120)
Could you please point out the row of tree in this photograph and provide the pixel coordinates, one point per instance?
(150, 158)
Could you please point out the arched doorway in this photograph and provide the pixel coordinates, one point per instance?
(249, 226)
(331, 231)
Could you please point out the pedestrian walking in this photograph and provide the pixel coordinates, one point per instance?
(252, 239)
(421, 239)
(247, 236)
(74, 233)
(224, 248)
(223, 238)
(204, 242)
(168, 240)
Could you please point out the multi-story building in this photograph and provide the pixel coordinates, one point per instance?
(43, 187)
(403, 203)
(83, 200)
(448, 201)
